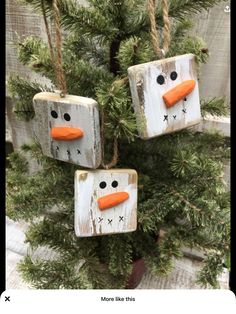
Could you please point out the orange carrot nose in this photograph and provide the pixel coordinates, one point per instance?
(112, 200)
(66, 133)
(178, 92)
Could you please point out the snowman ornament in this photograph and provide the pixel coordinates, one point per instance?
(105, 202)
(68, 128)
(165, 95)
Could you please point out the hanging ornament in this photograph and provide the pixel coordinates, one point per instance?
(165, 92)
(105, 202)
(66, 126)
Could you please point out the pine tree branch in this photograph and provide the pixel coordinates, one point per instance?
(34, 53)
(180, 186)
(215, 106)
(212, 268)
(183, 199)
(180, 8)
(23, 91)
(87, 49)
(134, 50)
(85, 20)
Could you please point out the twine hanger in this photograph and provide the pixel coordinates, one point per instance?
(56, 61)
(57, 64)
(160, 52)
(114, 159)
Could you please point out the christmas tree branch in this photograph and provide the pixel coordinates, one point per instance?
(180, 8)
(183, 199)
(23, 91)
(215, 106)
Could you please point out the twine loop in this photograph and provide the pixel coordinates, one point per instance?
(114, 159)
(160, 52)
(56, 61)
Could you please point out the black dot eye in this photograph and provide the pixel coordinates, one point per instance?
(114, 184)
(54, 114)
(67, 116)
(173, 75)
(102, 185)
(160, 79)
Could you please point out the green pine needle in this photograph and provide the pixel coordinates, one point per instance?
(215, 106)
(180, 186)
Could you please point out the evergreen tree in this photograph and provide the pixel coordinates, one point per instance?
(180, 188)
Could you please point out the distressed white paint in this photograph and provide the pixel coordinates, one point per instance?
(88, 191)
(147, 96)
(84, 114)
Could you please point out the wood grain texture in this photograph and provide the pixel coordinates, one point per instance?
(22, 21)
(212, 25)
(84, 114)
(21, 132)
(89, 219)
(153, 116)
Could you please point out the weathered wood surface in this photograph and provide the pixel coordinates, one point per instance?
(21, 21)
(20, 133)
(82, 113)
(213, 26)
(154, 117)
(90, 186)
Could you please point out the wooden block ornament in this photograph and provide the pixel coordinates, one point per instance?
(68, 128)
(105, 202)
(165, 95)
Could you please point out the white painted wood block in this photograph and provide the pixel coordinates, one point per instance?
(68, 128)
(165, 95)
(105, 202)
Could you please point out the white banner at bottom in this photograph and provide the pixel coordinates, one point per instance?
(117, 301)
